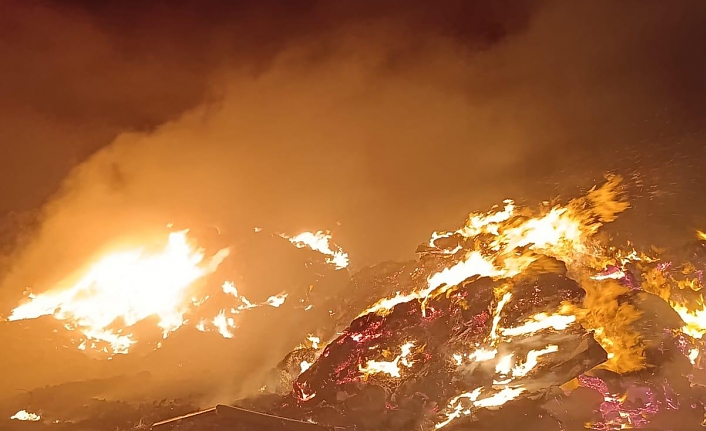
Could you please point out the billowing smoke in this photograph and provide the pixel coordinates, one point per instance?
(382, 123)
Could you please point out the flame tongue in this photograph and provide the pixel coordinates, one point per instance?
(320, 241)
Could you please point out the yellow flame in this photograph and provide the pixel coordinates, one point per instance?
(229, 288)
(315, 341)
(532, 360)
(462, 405)
(496, 315)
(694, 320)
(128, 286)
(517, 238)
(305, 366)
(540, 322)
(701, 235)
(224, 324)
(504, 365)
(479, 355)
(319, 241)
(500, 398)
(24, 415)
(693, 355)
(390, 368)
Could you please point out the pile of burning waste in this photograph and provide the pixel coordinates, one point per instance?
(520, 317)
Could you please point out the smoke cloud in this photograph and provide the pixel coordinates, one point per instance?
(382, 123)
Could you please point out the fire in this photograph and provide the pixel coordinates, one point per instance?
(701, 235)
(480, 355)
(315, 341)
(23, 415)
(517, 239)
(224, 324)
(540, 322)
(127, 286)
(320, 241)
(694, 320)
(693, 355)
(391, 368)
(532, 360)
(305, 366)
(463, 405)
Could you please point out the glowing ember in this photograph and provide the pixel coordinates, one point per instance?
(319, 241)
(128, 286)
(23, 415)
(305, 366)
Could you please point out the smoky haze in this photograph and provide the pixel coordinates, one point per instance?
(380, 122)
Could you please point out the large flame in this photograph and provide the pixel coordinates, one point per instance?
(127, 286)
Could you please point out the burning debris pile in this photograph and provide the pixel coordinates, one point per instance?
(518, 315)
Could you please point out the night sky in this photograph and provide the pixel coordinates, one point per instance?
(380, 120)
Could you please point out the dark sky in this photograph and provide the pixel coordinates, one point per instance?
(382, 120)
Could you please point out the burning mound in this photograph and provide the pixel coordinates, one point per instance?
(520, 309)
